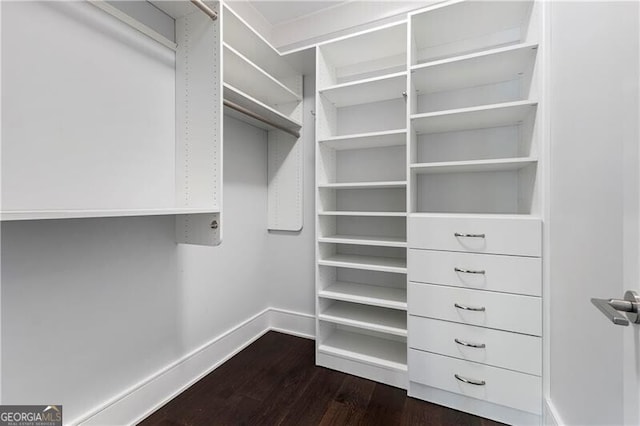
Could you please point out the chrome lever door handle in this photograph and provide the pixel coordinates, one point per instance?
(611, 308)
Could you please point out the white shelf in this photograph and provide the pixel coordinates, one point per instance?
(367, 214)
(389, 321)
(246, 101)
(9, 215)
(498, 165)
(486, 67)
(365, 185)
(240, 72)
(501, 216)
(353, 54)
(495, 115)
(368, 263)
(442, 30)
(366, 349)
(365, 241)
(367, 91)
(386, 297)
(243, 38)
(367, 140)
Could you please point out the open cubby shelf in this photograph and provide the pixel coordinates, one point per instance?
(478, 117)
(367, 91)
(366, 140)
(365, 240)
(502, 164)
(386, 297)
(374, 318)
(369, 263)
(371, 350)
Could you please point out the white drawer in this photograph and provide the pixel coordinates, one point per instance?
(502, 235)
(501, 348)
(509, 388)
(522, 314)
(511, 274)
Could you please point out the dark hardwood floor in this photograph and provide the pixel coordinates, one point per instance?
(274, 382)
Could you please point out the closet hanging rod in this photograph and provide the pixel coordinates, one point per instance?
(258, 117)
(206, 9)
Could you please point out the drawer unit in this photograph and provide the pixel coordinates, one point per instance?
(503, 349)
(476, 234)
(510, 274)
(521, 314)
(497, 385)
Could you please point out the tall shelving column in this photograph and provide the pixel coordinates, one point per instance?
(259, 82)
(360, 199)
(475, 208)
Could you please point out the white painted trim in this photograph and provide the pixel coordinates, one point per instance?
(550, 416)
(142, 399)
(294, 323)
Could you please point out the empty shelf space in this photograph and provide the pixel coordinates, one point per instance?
(365, 185)
(367, 349)
(367, 140)
(367, 91)
(14, 215)
(369, 263)
(454, 28)
(369, 214)
(386, 297)
(365, 241)
(503, 164)
(372, 318)
(495, 115)
(246, 101)
(476, 69)
(242, 73)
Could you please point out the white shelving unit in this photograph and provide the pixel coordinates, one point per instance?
(361, 204)
(475, 148)
(81, 164)
(264, 89)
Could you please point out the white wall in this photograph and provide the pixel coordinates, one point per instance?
(594, 113)
(91, 307)
(291, 255)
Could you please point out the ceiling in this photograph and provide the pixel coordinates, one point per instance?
(279, 11)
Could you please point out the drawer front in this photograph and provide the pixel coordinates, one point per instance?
(509, 388)
(510, 274)
(515, 236)
(501, 348)
(511, 312)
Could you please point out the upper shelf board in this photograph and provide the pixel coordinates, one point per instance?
(498, 165)
(485, 116)
(365, 185)
(454, 21)
(366, 47)
(15, 215)
(503, 64)
(367, 140)
(370, 90)
(240, 72)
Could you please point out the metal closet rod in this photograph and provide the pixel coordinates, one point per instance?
(206, 9)
(260, 118)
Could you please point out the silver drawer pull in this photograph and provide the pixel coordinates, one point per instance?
(469, 271)
(471, 345)
(470, 308)
(459, 235)
(470, 381)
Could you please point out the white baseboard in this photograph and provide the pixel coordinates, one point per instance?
(295, 323)
(142, 399)
(550, 416)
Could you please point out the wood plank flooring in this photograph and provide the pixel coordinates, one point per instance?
(274, 381)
